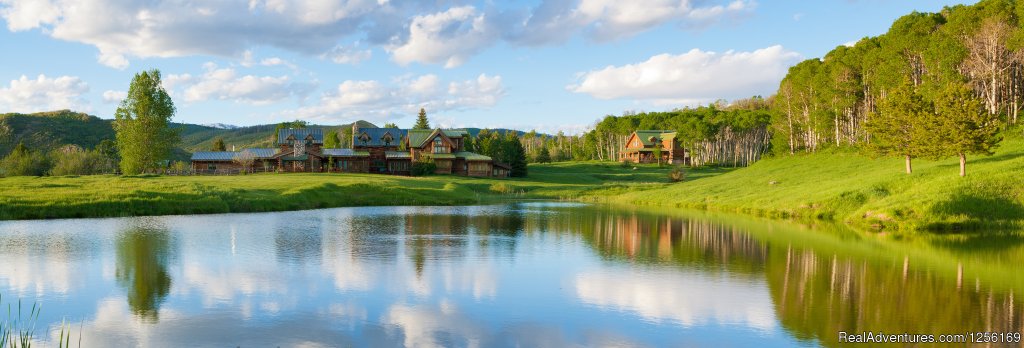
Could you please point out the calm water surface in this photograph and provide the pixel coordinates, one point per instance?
(541, 274)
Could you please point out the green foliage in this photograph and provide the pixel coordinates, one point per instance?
(514, 155)
(544, 156)
(421, 168)
(45, 131)
(903, 125)
(23, 162)
(142, 124)
(331, 140)
(73, 160)
(963, 125)
(218, 145)
(677, 174)
(421, 120)
(390, 125)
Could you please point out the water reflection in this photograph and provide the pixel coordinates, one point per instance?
(143, 254)
(519, 274)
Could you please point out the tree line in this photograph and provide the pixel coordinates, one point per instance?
(936, 85)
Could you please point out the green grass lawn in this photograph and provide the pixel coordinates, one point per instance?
(871, 193)
(106, 195)
(838, 185)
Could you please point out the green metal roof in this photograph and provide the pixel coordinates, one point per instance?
(440, 155)
(470, 156)
(419, 136)
(397, 155)
(645, 135)
(455, 133)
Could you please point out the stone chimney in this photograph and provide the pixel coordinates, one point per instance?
(355, 133)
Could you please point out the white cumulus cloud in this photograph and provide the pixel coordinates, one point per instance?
(374, 100)
(114, 96)
(431, 32)
(604, 20)
(226, 84)
(44, 94)
(692, 76)
(448, 37)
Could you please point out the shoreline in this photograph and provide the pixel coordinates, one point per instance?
(887, 202)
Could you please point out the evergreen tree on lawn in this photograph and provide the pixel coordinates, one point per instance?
(964, 125)
(902, 126)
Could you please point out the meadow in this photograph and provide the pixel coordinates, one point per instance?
(846, 186)
(840, 185)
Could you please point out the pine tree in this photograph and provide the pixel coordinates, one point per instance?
(218, 145)
(514, 154)
(421, 120)
(902, 126)
(544, 156)
(964, 126)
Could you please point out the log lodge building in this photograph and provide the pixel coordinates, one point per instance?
(373, 150)
(641, 145)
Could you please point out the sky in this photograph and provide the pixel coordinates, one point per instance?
(549, 65)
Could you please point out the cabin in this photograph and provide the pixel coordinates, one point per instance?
(643, 145)
(372, 150)
(229, 162)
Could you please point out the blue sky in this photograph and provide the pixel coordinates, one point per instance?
(548, 65)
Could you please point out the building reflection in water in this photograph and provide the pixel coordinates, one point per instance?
(144, 252)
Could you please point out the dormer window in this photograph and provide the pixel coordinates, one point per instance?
(365, 138)
(439, 146)
(387, 139)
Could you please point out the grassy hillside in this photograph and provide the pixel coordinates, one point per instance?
(96, 196)
(865, 192)
(49, 130)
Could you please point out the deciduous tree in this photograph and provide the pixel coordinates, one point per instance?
(142, 124)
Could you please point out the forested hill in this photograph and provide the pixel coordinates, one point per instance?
(49, 130)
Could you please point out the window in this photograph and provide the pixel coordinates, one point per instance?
(439, 146)
(478, 167)
(211, 167)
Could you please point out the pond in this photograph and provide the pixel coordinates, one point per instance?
(522, 274)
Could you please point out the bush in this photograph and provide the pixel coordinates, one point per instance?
(22, 162)
(626, 163)
(677, 174)
(422, 168)
(73, 160)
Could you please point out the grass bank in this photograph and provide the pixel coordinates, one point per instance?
(837, 185)
(111, 196)
(868, 193)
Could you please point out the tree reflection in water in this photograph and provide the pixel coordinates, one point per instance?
(822, 280)
(142, 258)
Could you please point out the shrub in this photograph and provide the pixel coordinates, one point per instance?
(677, 174)
(421, 168)
(22, 162)
(626, 163)
(73, 160)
